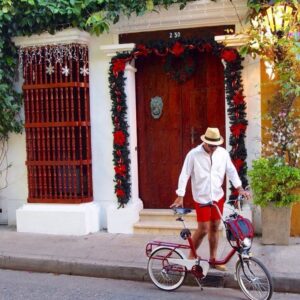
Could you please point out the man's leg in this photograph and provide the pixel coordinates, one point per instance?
(213, 238)
(199, 234)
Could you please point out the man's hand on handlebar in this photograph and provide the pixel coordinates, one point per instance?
(178, 202)
(244, 193)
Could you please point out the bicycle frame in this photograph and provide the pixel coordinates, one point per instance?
(189, 263)
(153, 245)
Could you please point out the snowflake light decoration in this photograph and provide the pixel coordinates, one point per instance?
(50, 69)
(84, 71)
(65, 70)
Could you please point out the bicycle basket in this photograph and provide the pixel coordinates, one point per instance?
(238, 229)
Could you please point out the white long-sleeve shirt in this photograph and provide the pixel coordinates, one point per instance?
(207, 174)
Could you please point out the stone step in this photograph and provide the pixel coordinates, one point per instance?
(164, 215)
(163, 222)
(162, 227)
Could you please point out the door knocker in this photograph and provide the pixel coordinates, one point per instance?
(156, 105)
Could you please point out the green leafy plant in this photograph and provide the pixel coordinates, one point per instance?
(273, 181)
(282, 136)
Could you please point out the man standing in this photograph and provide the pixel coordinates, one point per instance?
(207, 165)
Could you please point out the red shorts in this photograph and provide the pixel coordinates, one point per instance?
(209, 213)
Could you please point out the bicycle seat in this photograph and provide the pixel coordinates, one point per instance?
(182, 211)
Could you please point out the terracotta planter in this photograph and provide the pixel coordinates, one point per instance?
(276, 225)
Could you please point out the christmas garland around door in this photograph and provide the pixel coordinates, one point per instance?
(178, 49)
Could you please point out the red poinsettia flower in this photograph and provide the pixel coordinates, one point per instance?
(238, 163)
(238, 98)
(120, 193)
(177, 49)
(141, 51)
(118, 66)
(229, 55)
(119, 138)
(120, 169)
(237, 129)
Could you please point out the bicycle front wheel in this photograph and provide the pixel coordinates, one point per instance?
(163, 270)
(254, 279)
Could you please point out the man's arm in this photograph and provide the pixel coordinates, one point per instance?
(183, 179)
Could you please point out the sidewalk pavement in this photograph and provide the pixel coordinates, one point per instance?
(122, 256)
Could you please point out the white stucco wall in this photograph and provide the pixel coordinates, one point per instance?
(101, 125)
(252, 88)
(16, 192)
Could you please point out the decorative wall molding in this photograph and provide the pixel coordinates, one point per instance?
(201, 13)
(67, 36)
(111, 50)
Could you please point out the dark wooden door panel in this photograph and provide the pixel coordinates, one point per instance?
(159, 140)
(187, 110)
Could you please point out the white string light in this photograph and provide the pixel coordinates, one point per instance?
(53, 53)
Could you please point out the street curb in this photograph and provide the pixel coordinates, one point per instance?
(282, 282)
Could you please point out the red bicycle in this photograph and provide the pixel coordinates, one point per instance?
(168, 266)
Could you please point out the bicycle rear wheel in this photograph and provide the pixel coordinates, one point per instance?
(166, 275)
(254, 279)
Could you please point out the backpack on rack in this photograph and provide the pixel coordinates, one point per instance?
(239, 228)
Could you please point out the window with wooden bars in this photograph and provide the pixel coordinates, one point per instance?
(57, 123)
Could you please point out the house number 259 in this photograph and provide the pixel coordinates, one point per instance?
(174, 35)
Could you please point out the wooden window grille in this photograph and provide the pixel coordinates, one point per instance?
(57, 123)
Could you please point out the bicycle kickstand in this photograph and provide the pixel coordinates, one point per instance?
(199, 283)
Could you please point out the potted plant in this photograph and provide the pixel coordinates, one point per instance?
(273, 182)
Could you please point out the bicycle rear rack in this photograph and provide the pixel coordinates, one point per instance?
(154, 244)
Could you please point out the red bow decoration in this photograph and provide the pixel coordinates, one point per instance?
(229, 55)
(118, 66)
(238, 98)
(177, 49)
(119, 138)
(120, 193)
(238, 163)
(237, 129)
(120, 169)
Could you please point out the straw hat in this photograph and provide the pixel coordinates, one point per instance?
(212, 136)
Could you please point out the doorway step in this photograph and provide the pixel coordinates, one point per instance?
(163, 222)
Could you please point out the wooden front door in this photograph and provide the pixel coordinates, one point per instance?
(188, 109)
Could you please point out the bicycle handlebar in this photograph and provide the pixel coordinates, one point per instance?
(181, 210)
